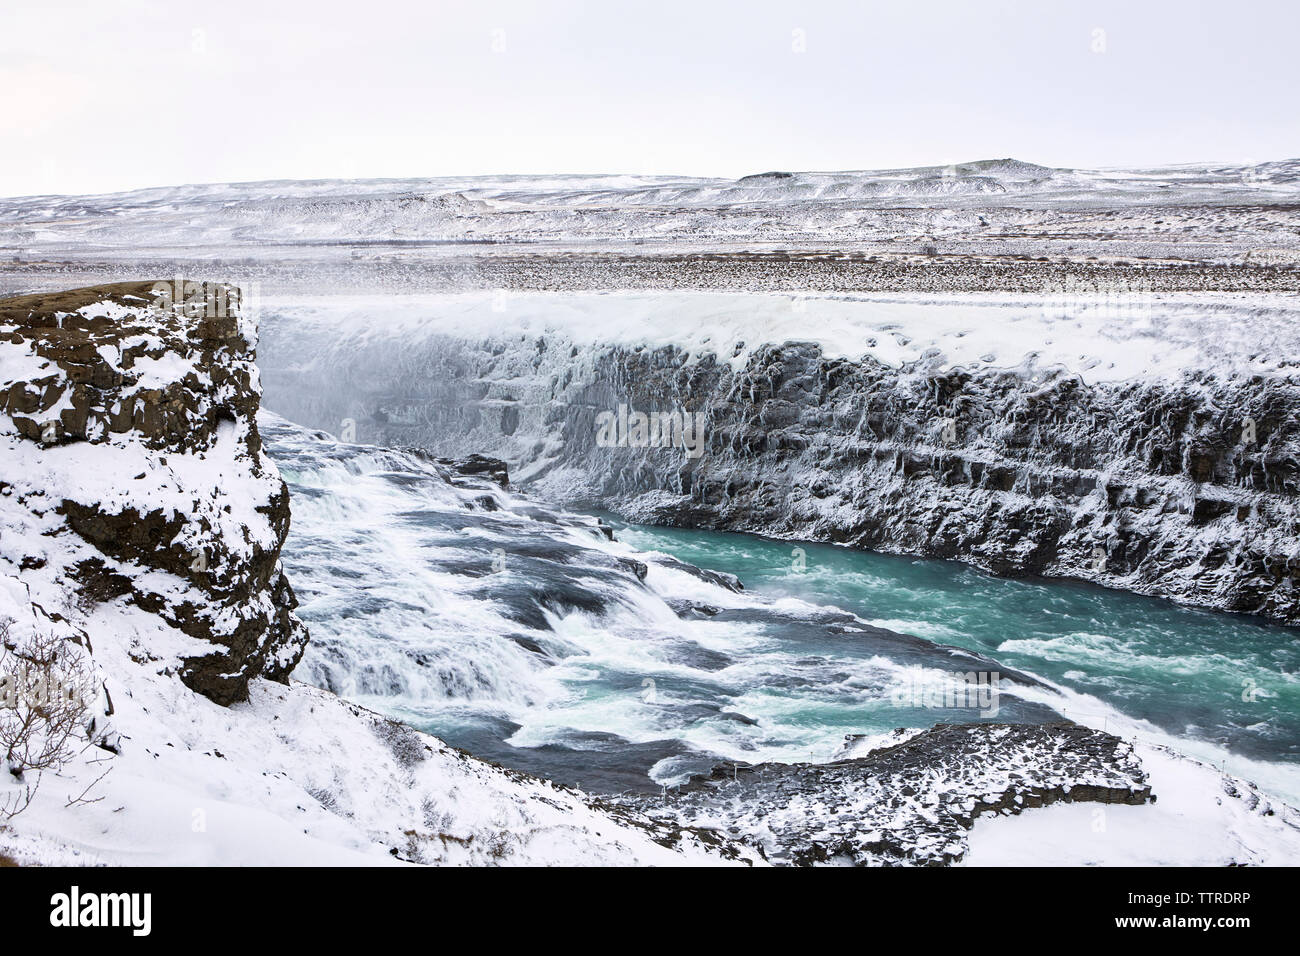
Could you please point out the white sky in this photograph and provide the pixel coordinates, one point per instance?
(100, 95)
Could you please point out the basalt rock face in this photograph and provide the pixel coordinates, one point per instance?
(132, 470)
(1183, 487)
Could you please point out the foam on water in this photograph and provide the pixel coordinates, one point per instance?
(1221, 687)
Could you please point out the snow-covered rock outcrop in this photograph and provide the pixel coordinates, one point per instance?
(131, 467)
(1185, 489)
(913, 799)
(991, 795)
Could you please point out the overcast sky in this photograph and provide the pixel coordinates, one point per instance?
(102, 95)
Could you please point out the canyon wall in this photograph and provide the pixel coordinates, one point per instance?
(1179, 485)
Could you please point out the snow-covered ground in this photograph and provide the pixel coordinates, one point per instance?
(294, 776)
(991, 203)
(1200, 818)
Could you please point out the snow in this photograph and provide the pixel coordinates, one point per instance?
(22, 364)
(1200, 818)
(296, 775)
(161, 372)
(1099, 336)
(122, 475)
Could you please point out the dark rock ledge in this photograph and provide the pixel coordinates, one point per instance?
(912, 803)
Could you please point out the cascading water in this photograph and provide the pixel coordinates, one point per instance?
(522, 634)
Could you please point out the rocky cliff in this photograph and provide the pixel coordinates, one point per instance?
(1184, 489)
(131, 468)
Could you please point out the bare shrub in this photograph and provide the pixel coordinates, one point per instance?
(43, 715)
(405, 744)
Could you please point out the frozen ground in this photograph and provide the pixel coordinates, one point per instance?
(988, 205)
(1201, 818)
(996, 225)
